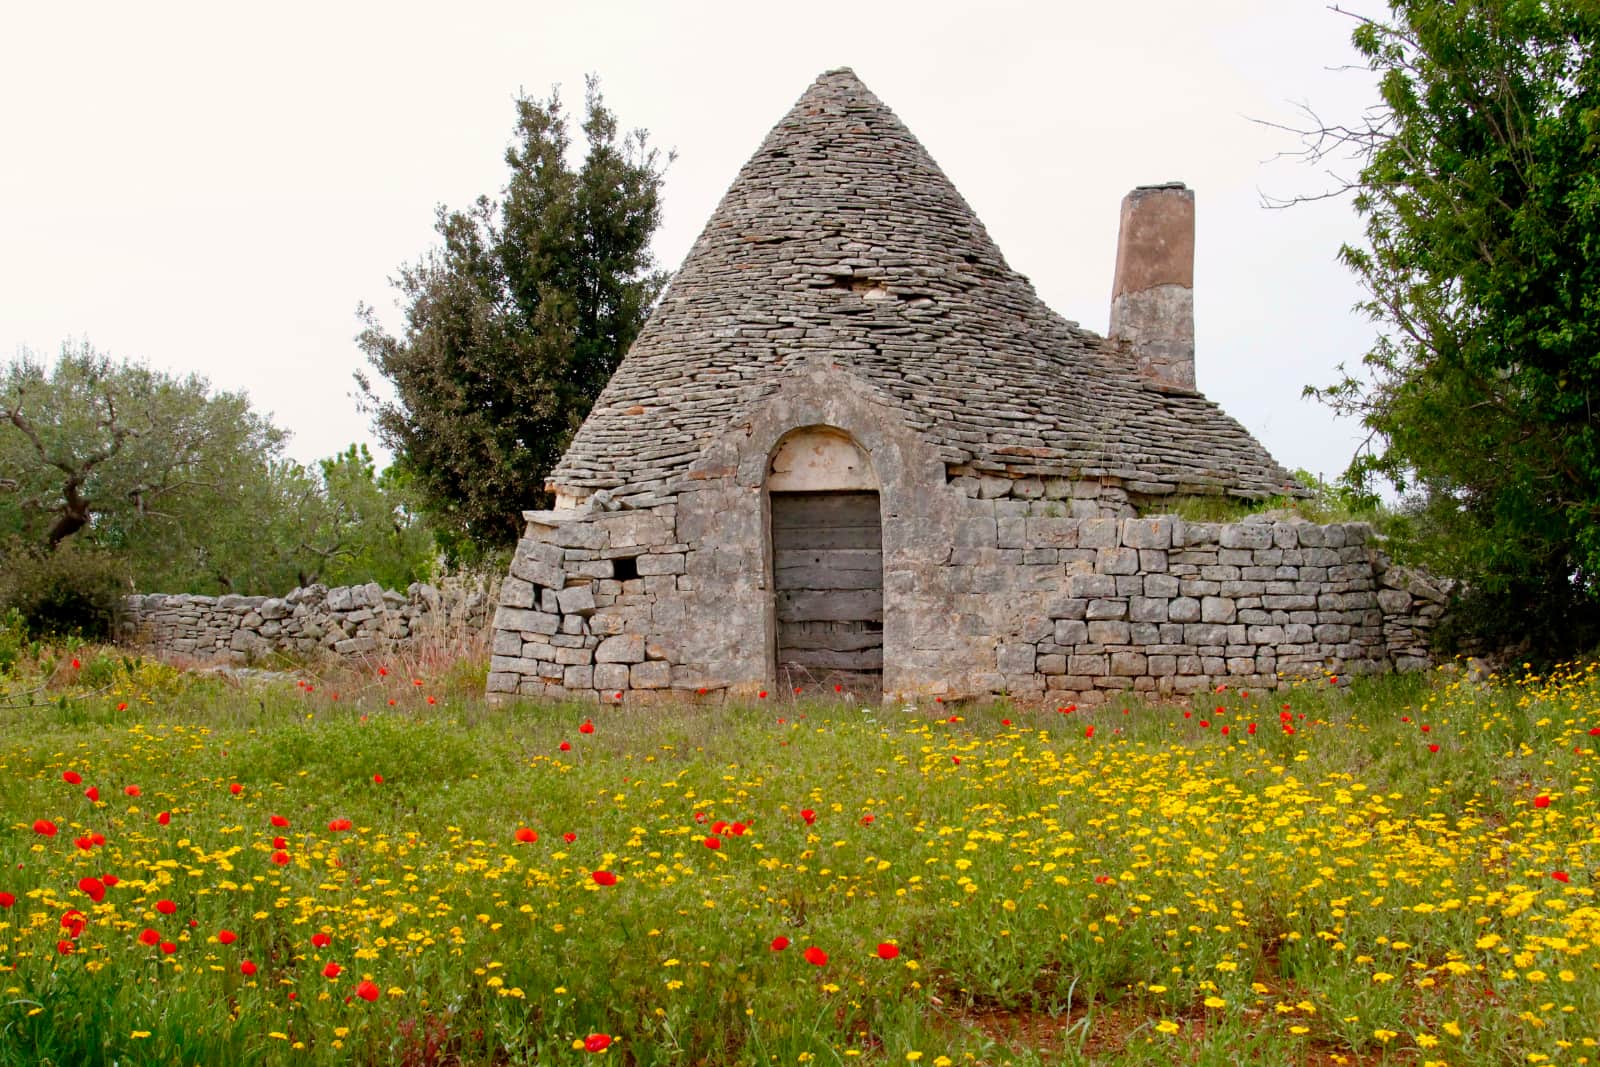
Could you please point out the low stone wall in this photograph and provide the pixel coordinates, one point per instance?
(343, 621)
(1015, 601)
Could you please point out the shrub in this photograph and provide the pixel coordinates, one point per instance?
(69, 591)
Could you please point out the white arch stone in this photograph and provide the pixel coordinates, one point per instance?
(819, 458)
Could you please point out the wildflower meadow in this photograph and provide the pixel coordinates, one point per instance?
(374, 867)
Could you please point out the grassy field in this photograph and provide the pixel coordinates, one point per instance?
(376, 868)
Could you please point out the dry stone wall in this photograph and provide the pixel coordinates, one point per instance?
(625, 606)
(342, 621)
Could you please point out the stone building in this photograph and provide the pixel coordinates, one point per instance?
(852, 447)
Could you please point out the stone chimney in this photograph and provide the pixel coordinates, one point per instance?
(1152, 293)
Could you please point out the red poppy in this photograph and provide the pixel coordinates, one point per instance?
(131, 790)
(75, 663)
(377, 779)
(332, 970)
(226, 937)
(109, 879)
(64, 947)
(1205, 724)
(1088, 731)
(431, 700)
(280, 858)
(93, 793)
(321, 939)
(72, 777)
(168, 948)
(1251, 729)
(279, 821)
(604, 878)
(596, 1042)
(165, 818)
(701, 691)
(956, 760)
(7, 900)
(1224, 731)
(44, 828)
(166, 907)
(150, 937)
(1561, 876)
(383, 672)
(886, 951)
(1005, 722)
(566, 746)
(247, 968)
(712, 842)
(1541, 801)
(868, 819)
(838, 689)
(1595, 732)
(738, 829)
(1433, 748)
(93, 888)
(85, 843)
(279, 842)
(1102, 879)
(808, 815)
(526, 836)
(337, 825)
(73, 922)
(367, 990)
(762, 695)
(123, 706)
(815, 956)
(780, 943)
(586, 728)
(569, 837)
(236, 789)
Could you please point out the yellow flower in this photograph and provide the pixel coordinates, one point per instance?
(1385, 1036)
(1166, 1026)
(1215, 1002)
(140, 1033)
(1426, 1040)
(913, 1056)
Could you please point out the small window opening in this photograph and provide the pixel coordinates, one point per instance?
(625, 568)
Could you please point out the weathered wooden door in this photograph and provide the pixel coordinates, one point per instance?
(827, 562)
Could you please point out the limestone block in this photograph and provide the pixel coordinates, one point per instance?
(665, 563)
(1184, 609)
(623, 648)
(1106, 609)
(573, 625)
(1394, 601)
(1153, 532)
(1162, 666)
(1117, 561)
(1264, 635)
(542, 574)
(577, 600)
(1052, 663)
(1245, 535)
(501, 682)
(352, 646)
(653, 674)
(578, 677)
(1205, 634)
(637, 528)
(979, 531)
(580, 534)
(1107, 633)
(516, 593)
(1099, 533)
(532, 622)
(1128, 664)
(1147, 609)
(1218, 609)
(569, 657)
(506, 643)
(1070, 632)
(1092, 585)
(1015, 658)
(610, 677)
(1052, 533)
(1093, 665)
(1164, 586)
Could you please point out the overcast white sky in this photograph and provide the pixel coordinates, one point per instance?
(213, 188)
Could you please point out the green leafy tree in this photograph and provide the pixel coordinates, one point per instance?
(1480, 190)
(181, 489)
(117, 451)
(514, 325)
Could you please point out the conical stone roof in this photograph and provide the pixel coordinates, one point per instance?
(841, 239)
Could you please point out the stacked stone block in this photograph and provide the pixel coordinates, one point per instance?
(342, 621)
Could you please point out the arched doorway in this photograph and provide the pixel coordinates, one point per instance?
(827, 563)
